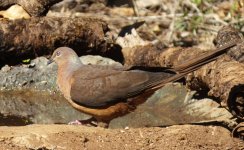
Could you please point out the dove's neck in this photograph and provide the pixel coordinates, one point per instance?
(65, 72)
(67, 67)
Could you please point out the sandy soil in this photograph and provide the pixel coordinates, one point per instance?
(82, 137)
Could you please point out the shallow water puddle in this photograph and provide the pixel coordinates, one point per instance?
(169, 105)
(37, 107)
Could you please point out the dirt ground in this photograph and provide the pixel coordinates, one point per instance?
(45, 137)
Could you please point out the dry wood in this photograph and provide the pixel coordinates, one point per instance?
(223, 78)
(226, 76)
(228, 33)
(150, 55)
(33, 7)
(39, 36)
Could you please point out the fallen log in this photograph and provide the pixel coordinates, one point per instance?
(149, 55)
(226, 34)
(28, 38)
(222, 78)
(137, 52)
(227, 81)
(33, 7)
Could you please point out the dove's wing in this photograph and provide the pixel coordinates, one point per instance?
(97, 86)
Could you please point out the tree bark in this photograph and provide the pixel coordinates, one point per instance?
(21, 39)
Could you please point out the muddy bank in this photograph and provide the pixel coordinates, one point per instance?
(80, 137)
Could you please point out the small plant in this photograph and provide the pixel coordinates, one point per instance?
(197, 2)
(191, 24)
(26, 61)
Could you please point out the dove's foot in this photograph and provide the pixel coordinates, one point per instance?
(89, 122)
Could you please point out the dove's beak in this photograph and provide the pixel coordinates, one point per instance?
(50, 61)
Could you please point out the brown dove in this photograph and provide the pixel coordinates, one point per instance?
(106, 92)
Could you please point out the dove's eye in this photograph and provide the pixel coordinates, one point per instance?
(58, 53)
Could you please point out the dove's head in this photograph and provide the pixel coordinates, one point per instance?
(63, 56)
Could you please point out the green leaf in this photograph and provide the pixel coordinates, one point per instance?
(26, 60)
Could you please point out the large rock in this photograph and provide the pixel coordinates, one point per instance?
(38, 75)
